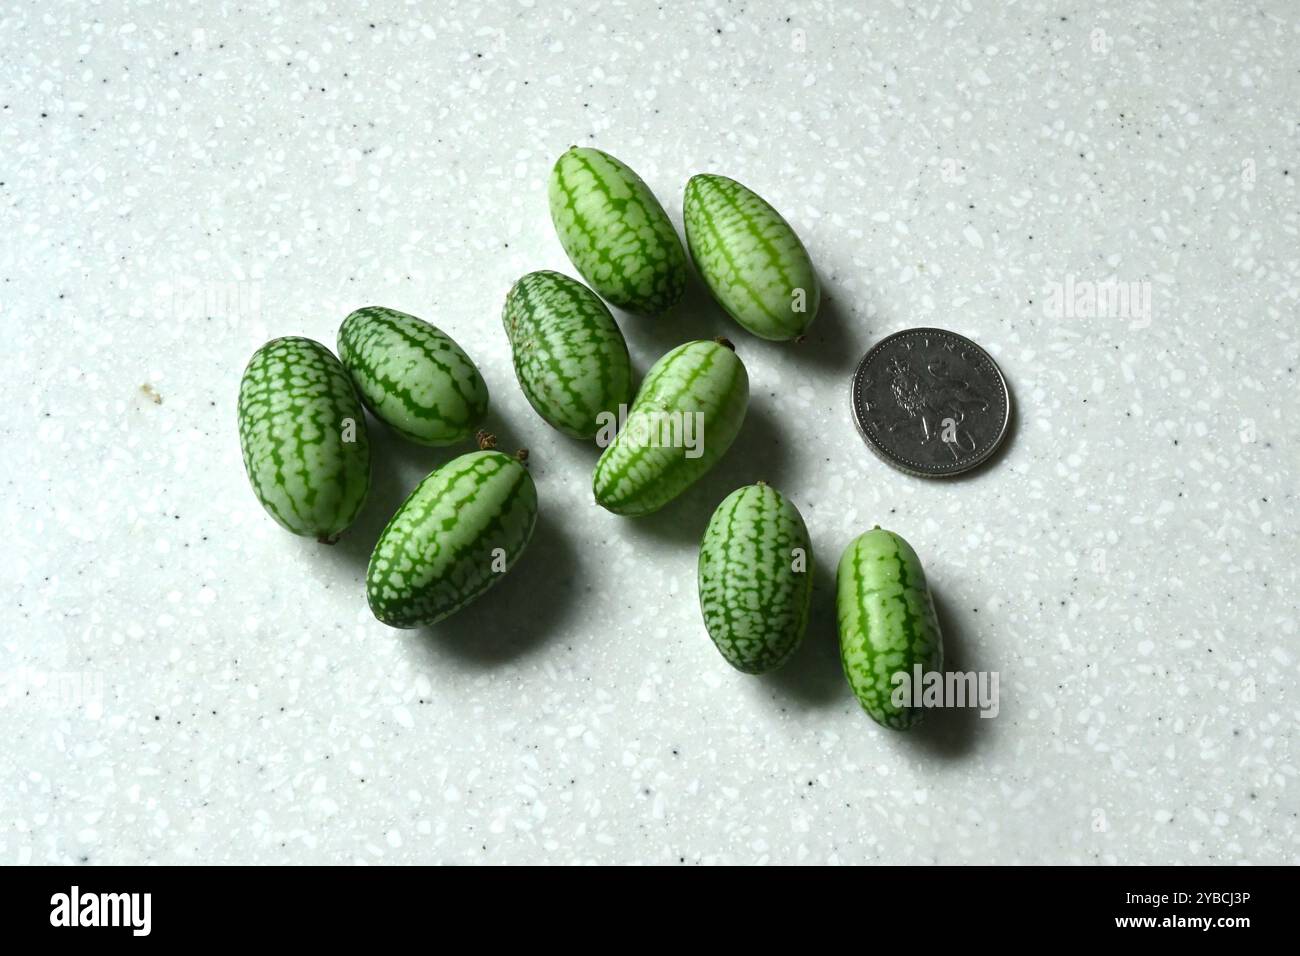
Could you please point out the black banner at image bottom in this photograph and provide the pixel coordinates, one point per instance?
(211, 905)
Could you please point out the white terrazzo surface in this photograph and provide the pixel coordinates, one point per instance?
(183, 681)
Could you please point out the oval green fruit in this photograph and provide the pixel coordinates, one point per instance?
(887, 624)
(615, 232)
(749, 257)
(755, 578)
(458, 533)
(413, 376)
(303, 436)
(569, 356)
(686, 415)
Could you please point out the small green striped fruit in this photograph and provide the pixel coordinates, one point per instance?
(887, 623)
(412, 376)
(686, 415)
(615, 232)
(570, 357)
(750, 258)
(755, 578)
(303, 436)
(459, 532)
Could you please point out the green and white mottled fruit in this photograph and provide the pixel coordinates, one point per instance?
(616, 233)
(755, 578)
(750, 258)
(458, 533)
(887, 623)
(303, 435)
(413, 376)
(570, 357)
(686, 415)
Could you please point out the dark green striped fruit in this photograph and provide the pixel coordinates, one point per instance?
(887, 623)
(750, 258)
(615, 232)
(412, 376)
(458, 533)
(303, 435)
(569, 355)
(755, 578)
(686, 415)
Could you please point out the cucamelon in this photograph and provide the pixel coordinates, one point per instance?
(755, 578)
(887, 623)
(303, 436)
(569, 355)
(413, 376)
(615, 232)
(751, 260)
(685, 416)
(462, 528)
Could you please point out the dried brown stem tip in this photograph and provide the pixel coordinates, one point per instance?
(723, 340)
(522, 455)
(800, 339)
(327, 539)
(485, 440)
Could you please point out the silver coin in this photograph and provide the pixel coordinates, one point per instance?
(930, 402)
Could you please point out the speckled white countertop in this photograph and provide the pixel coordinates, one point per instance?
(183, 681)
